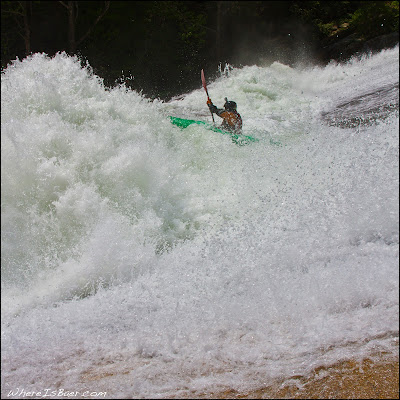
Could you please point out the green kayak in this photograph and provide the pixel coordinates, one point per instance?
(240, 140)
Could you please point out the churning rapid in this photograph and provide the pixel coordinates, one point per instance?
(143, 260)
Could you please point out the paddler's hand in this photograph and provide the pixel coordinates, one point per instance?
(211, 105)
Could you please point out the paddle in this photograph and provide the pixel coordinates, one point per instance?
(203, 80)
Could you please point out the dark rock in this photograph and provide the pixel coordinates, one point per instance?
(382, 42)
(353, 44)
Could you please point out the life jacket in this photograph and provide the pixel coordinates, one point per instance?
(232, 121)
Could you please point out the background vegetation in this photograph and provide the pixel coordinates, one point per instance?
(160, 46)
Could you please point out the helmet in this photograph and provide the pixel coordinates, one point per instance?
(229, 105)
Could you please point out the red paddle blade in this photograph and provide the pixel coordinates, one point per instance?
(203, 80)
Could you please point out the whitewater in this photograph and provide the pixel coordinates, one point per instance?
(145, 261)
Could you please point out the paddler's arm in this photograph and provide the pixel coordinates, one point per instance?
(214, 109)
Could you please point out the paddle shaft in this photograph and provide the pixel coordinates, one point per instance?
(203, 80)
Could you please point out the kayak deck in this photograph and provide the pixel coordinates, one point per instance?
(236, 138)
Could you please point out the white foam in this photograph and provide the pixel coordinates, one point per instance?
(144, 260)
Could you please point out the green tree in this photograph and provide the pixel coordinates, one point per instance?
(18, 13)
(374, 18)
(72, 9)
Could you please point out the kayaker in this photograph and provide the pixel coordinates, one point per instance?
(232, 121)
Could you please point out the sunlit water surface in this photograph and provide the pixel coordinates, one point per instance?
(147, 261)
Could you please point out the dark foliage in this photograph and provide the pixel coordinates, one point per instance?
(160, 46)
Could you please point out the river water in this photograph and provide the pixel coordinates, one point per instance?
(146, 261)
